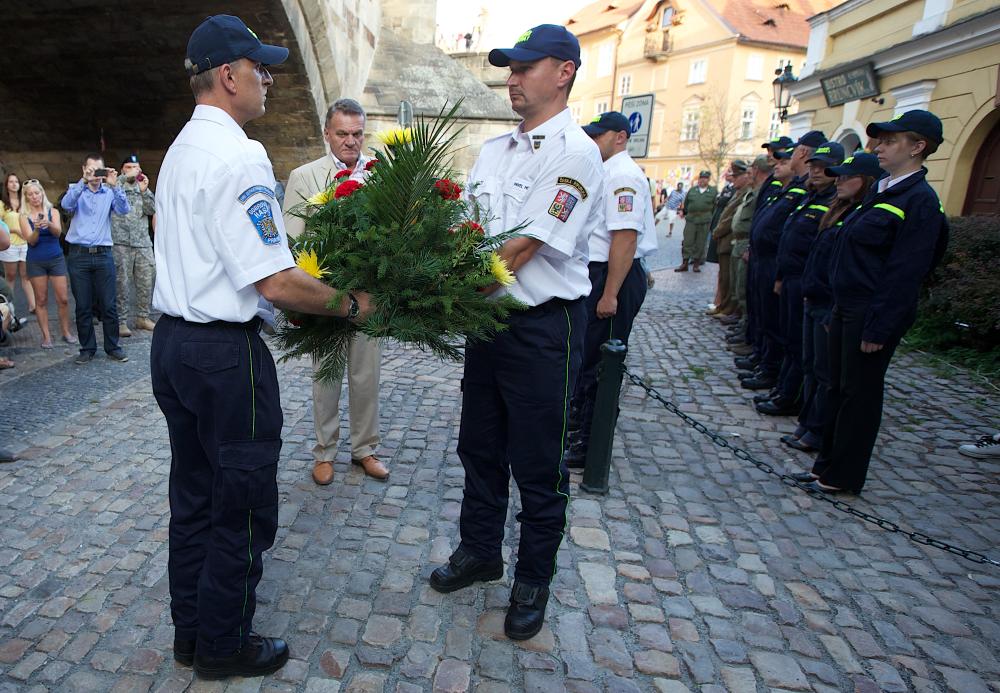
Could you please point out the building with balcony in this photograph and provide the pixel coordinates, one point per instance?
(709, 65)
(869, 60)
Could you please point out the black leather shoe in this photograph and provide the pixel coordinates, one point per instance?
(184, 652)
(746, 363)
(804, 477)
(764, 397)
(462, 570)
(576, 456)
(526, 612)
(779, 407)
(804, 447)
(787, 438)
(260, 656)
(760, 382)
(737, 338)
(815, 487)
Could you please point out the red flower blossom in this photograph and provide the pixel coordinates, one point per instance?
(342, 174)
(474, 227)
(371, 164)
(348, 187)
(447, 189)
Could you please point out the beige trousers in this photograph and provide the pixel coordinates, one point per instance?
(363, 364)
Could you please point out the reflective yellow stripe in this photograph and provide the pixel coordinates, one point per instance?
(797, 190)
(822, 208)
(891, 208)
(776, 182)
(799, 207)
(942, 209)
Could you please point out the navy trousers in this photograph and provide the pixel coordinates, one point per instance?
(769, 311)
(790, 320)
(515, 408)
(815, 373)
(92, 279)
(218, 390)
(630, 298)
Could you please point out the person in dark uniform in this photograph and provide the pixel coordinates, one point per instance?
(220, 246)
(547, 175)
(883, 253)
(854, 178)
(796, 238)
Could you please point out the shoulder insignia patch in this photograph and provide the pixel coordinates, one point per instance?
(625, 203)
(263, 220)
(562, 206)
(253, 190)
(563, 180)
(619, 191)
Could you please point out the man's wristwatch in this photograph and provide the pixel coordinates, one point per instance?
(354, 309)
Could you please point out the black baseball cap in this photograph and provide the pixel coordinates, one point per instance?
(783, 153)
(542, 41)
(813, 138)
(861, 164)
(606, 122)
(829, 153)
(921, 122)
(783, 142)
(223, 38)
(131, 159)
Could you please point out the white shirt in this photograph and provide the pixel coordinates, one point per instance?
(627, 207)
(887, 182)
(550, 180)
(219, 228)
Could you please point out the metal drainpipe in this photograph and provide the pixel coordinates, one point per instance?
(614, 69)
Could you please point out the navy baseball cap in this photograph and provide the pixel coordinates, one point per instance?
(813, 138)
(829, 153)
(783, 153)
(921, 122)
(542, 41)
(861, 164)
(783, 142)
(131, 159)
(606, 122)
(224, 38)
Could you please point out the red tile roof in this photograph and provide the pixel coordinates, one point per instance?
(601, 15)
(780, 22)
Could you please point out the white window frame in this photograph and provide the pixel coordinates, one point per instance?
(748, 120)
(698, 71)
(600, 107)
(574, 111)
(605, 59)
(625, 85)
(667, 17)
(755, 67)
(690, 123)
(686, 172)
(774, 128)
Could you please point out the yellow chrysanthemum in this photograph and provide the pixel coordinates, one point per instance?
(321, 198)
(395, 136)
(500, 271)
(309, 263)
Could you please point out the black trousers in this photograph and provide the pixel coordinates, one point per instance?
(768, 315)
(753, 311)
(854, 406)
(515, 406)
(630, 298)
(816, 373)
(218, 390)
(790, 321)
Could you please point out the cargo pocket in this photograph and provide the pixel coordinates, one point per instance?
(210, 357)
(248, 474)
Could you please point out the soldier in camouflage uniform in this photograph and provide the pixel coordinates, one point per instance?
(133, 250)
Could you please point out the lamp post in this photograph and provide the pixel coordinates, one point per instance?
(783, 90)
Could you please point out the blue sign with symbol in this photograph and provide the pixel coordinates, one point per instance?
(635, 122)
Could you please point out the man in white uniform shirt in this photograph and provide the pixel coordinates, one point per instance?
(546, 175)
(220, 246)
(616, 270)
(344, 133)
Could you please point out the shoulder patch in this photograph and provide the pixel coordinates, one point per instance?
(563, 180)
(619, 191)
(625, 202)
(562, 206)
(263, 220)
(253, 190)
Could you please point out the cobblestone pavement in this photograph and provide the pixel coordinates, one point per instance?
(695, 573)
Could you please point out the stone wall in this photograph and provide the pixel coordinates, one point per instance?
(413, 20)
(477, 63)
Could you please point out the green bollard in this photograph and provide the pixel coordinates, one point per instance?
(602, 429)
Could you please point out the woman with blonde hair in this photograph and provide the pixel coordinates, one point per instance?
(15, 257)
(41, 228)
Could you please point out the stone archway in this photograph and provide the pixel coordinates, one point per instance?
(850, 141)
(983, 196)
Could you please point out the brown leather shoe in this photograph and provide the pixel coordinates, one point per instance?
(145, 324)
(696, 267)
(123, 330)
(323, 472)
(683, 267)
(373, 467)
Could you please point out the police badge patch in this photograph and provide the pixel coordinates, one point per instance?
(625, 203)
(562, 206)
(263, 220)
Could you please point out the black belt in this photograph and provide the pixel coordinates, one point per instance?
(89, 249)
(253, 324)
(549, 306)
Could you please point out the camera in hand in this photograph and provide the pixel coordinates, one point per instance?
(141, 177)
(101, 173)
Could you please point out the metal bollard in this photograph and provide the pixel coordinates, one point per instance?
(602, 429)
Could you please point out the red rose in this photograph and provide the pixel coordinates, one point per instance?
(474, 227)
(371, 164)
(342, 174)
(447, 189)
(348, 187)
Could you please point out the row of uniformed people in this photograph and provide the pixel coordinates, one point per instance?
(838, 250)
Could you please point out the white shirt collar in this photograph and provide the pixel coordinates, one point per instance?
(215, 114)
(341, 166)
(887, 182)
(550, 128)
(620, 156)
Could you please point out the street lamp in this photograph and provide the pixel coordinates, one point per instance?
(783, 90)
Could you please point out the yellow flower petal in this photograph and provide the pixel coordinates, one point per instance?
(395, 136)
(498, 268)
(308, 262)
(321, 198)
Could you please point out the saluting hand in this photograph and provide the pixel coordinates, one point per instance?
(870, 347)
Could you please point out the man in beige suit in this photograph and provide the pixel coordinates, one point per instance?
(344, 132)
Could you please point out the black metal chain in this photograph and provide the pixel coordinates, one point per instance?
(741, 454)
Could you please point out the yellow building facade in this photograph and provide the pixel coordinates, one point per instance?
(710, 65)
(869, 60)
